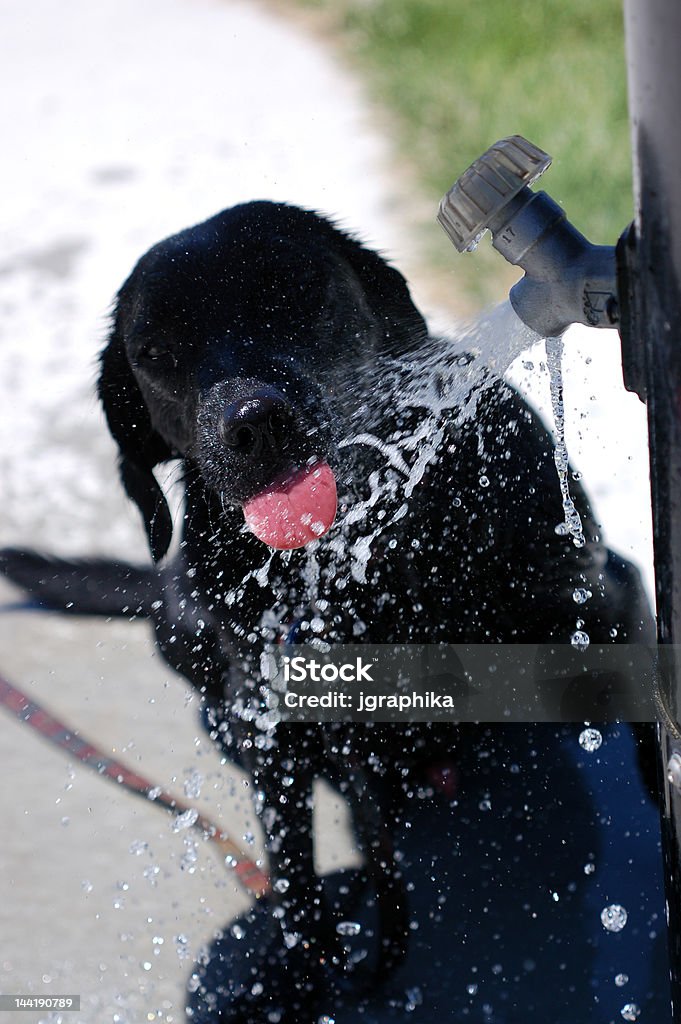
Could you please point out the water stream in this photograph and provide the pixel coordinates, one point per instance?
(573, 523)
(445, 384)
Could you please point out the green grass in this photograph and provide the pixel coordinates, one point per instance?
(456, 75)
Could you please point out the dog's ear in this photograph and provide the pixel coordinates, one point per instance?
(387, 293)
(140, 446)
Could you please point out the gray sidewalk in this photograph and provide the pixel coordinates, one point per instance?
(127, 122)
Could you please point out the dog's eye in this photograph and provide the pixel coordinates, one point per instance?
(154, 352)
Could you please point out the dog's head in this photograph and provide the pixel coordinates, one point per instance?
(231, 344)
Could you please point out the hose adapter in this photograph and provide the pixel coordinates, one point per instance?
(567, 279)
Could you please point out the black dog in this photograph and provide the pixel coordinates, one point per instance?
(285, 365)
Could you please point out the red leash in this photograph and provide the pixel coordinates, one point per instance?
(249, 874)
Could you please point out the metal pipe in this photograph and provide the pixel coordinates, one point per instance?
(653, 33)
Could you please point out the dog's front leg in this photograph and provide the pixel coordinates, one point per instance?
(305, 947)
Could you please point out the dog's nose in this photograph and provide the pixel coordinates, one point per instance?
(259, 421)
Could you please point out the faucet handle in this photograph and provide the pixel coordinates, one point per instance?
(489, 184)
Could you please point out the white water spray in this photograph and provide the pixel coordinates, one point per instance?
(572, 524)
(445, 381)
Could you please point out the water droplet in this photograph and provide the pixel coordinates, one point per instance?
(348, 928)
(630, 1011)
(325, 1019)
(621, 980)
(589, 869)
(581, 595)
(137, 847)
(471, 989)
(281, 885)
(613, 918)
(590, 740)
(414, 999)
(291, 939)
(484, 481)
(192, 784)
(238, 932)
(184, 820)
(154, 793)
(86, 885)
(190, 857)
(580, 640)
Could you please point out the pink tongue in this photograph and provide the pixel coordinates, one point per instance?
(295, 511)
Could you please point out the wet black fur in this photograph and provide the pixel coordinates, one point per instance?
(268, 295)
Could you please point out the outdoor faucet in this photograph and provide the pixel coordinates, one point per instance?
(567, 279)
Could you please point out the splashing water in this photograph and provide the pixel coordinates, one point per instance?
(193, 783)
(348, 928)
(572, 524)
(590, 740)
(580, 640)
(184, 820)
(442, 384)
(447, 382)
(457, 370)
(614, 917)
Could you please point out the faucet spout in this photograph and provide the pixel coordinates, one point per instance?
(567, 279)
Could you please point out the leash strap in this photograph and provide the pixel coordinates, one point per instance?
(251, 877)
